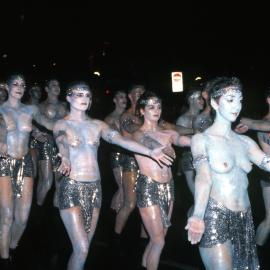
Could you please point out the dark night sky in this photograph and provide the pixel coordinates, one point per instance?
(136, 43)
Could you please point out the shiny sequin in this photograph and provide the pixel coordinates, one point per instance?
(48, 151)
(129, 163)
(116, 159)
(264, 162)
(198, 160)
(86, 195)
(17, 169)
(186, 161)
(222, 224)
(150, 192)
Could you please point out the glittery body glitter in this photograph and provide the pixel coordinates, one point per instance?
(86, 195)
(17, 169)
(150, 192)
(223, 224)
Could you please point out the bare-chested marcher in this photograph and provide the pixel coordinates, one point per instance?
(129, 123)
(54, 109)
(34, 96)
(113, 120)
(16, 182)
(78, 137)
(222, 220)
(155, 186)
(194, 105)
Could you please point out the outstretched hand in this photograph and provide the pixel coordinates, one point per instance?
(241, 128)
(195, 228)
(161, 157)
(65, 165)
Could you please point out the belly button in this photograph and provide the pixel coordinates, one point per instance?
(225, 164)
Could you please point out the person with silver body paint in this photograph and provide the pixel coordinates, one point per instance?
(195, 104)
(155, 184)
(78, 137)
(222, 219)
(16, 169)
(113, 120)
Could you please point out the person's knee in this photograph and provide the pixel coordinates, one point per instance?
(158, 241)
(6, 216)
(82, 249)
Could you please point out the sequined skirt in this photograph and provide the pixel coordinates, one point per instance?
(150, 192)
(223, 224)
(186, 161)
(129, 163)
(86, 195)
(116, 159)
(17, 169)
(48, 151)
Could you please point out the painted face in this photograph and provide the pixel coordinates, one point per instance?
(196, 100)
(3, 95)
(152, 110)
(17, 88)
(135, 94)
(80, 99)
(54, 88)
(120, 100)
(230, 104)
(36, 92)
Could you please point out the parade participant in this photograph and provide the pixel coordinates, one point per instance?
(16, 182)
(113, 120)
(194, 104)
(78, 137)
(222, 219)
(54, 109)
(154, 185)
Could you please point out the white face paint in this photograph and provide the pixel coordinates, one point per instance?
(80, 99)
(230, 104)
(17, 88)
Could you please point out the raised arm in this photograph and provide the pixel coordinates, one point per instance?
(129, 124)
(203, 185)
(261, 125)
(256, 155)
(60, 136)
(180, 129)
(112, 136)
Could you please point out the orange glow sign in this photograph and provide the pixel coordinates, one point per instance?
(177, 81)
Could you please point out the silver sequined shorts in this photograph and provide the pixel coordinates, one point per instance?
(150, 192)
(17, 169)
(116, 159)
(129, 163)
(86, 195)
(186, 161)
(223, 224)
(48, 151)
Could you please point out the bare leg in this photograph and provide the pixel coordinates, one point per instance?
(218, 257)
(129, 179)
(118, 197)
(263, 229)
(149, 246)
(22, 208)
(6, 215)
(79, 238)
(153, 222)
(45, 180)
